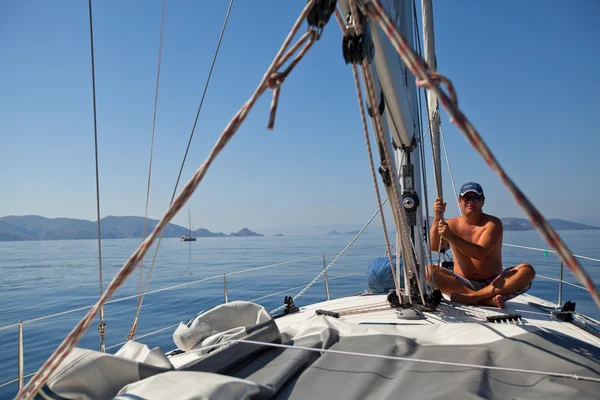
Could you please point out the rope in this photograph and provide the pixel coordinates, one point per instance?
(101, 325)
(36, 383)
(374, 308)
(362, 307)
(449, 168)
(433, 81)
(271, 265)
(422, 92)
(374, 176)
(331, 263)
(299, 286)
(170, 288)
(559, 280)
(137, 313)
(276, 79)
(340, 20)
(144, 335)
(549, 251)
(16, 380)
(160, 48)
(409, 359)
(425, 191)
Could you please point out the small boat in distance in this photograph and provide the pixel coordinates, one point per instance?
(188, 237)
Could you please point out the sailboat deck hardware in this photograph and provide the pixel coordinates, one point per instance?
(290, 307)
(504, 318)
(328, 313)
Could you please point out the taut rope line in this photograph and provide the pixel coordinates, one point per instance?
(141, 300)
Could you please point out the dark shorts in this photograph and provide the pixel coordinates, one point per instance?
(476, 285)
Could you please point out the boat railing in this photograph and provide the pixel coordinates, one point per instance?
(560, 279)
(21, 376)
(20, 325)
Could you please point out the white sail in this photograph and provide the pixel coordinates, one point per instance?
(397, 82)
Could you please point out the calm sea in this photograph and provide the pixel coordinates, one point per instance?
(46, 277)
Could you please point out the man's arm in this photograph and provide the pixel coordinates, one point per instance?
(434, 236)
(486, 243)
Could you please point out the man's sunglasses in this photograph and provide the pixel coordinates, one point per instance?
(472, 197)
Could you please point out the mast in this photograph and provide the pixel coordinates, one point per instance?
(396, 94)
(400, 92)
(190, 222)
(432, 101)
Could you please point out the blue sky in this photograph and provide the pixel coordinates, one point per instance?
(526, 75)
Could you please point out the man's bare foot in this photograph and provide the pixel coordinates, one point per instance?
(463, 298)
(499, 300)
(494, 301)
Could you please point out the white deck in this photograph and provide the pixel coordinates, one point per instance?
(459, 324)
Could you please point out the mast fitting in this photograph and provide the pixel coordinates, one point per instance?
(319, 15)
(358, 47)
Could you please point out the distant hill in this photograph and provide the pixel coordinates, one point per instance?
(311, 230)
(206, 233)
(34, 227)
(245, 232)
(334, 232)
(523, 224)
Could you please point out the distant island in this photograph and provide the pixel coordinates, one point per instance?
(34, 227)
(523, 224)
(245, 232)
(334, 232)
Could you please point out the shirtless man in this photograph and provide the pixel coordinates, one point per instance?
(476, 242)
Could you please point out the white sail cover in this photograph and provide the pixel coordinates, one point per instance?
(182, 385)
(224, 322)
(90, 375)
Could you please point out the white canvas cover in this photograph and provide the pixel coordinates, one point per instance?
(227, 321)
(183, 385)
(135, 351)
(90, 375)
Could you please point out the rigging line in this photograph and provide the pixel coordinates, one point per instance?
(340, 19)
(449, 168)
(372, 165)
(220, 276)
(559, 280)
(101, 325)
(433, 158)
(160, 49)
(422, 141)
(549, 251)
(332, 262)
(16, 380)
(407, 359)
(395, 202)
(137, 313)
(429, 119)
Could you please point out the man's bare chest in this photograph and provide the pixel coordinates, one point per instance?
(468, 233)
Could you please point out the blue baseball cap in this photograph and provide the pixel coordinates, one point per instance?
(471, 187)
